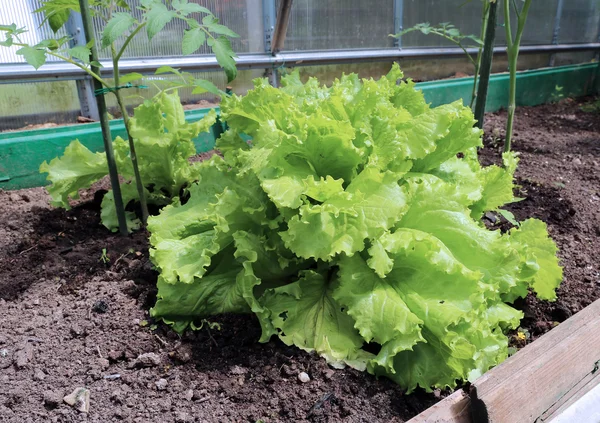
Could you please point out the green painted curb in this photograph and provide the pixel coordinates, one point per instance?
(21, 153)
(533, 87)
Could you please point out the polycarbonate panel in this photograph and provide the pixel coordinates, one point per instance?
(580, 21)
(540, 23)
(136, 96)
(20, 12)
(167, 43)
(340, 24)
(38, 103)
(467, 17)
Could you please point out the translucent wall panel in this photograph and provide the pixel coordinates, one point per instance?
(540, 23)
(136, 96)
(38, 103)
(20, 12)
(467, 17)
(580, 21)
(167, 43)
(340, 24)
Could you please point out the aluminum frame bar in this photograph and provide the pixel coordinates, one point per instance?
(22, 72)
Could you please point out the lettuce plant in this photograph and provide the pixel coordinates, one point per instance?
(164, 143)
(349, 224)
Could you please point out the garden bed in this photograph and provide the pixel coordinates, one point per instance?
(72, 317)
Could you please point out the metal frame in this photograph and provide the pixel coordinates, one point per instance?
(85, 89)
(22, 72)
(398, 21)
(556, 32)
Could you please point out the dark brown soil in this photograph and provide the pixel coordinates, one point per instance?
(72, 317)
(559, 177)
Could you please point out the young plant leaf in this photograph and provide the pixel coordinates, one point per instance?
(34, 56)
(116, 27)
(57, 12)
(218, 28)
(185, 8)
(167, 69)
(193, 39)
(58, 19)
(157, 17)
(203, 86)
(81, 53)
(130, 77)
(221, 47)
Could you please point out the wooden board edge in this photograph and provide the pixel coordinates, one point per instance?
(455, 408)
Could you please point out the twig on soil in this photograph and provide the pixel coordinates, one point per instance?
(99, 353)
(204, 399)
(27, 250)
(211, 337)
(161, 341)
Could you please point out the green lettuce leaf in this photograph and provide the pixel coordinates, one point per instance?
(77, 169)
(346, 218)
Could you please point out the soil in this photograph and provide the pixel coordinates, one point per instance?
(73, 316)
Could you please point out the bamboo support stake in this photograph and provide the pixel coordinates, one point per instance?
(104, 121)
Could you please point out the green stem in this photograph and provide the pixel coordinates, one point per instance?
(104, 123)
(128, 40)
(136, 170)
(513, 57)
(487, 57)
(458, 43)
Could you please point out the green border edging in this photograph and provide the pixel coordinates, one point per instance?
(22, 152)
(534, 87)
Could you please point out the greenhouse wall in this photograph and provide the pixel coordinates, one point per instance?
(321, 26)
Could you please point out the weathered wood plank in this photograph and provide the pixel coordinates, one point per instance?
(545, 373)
(452, 409)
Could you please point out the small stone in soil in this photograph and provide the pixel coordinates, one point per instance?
(24, 356)
(161, 384)
(238, 370)
(189, 394)
(100, 306)
(303, 377)
(147, 360)
(79, 399)
(38, 374)
(182, 353)
(329, 373)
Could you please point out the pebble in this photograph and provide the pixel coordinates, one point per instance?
(147, 360)
(238, 370)
(577, 161)
(329, 373)
(161, 384)
(183, 353)
(24, 356)
(303, 377)
(189, 394)
(79, 399)
(39, 374)
(183, 417)
(103, 363)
